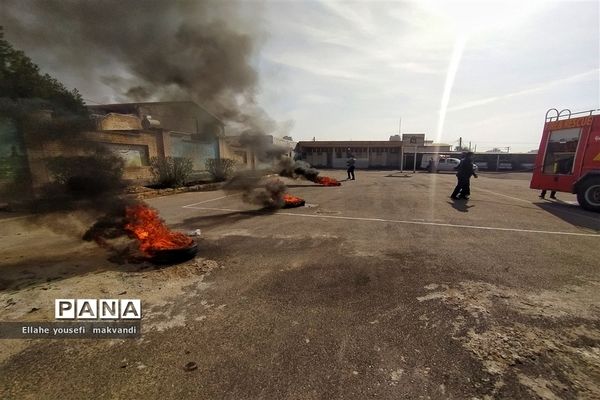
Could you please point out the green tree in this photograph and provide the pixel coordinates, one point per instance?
(23, 86)
(86, 168)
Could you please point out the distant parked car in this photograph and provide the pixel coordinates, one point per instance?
(450, 164)
(447, 164)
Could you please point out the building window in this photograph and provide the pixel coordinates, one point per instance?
(135, 156)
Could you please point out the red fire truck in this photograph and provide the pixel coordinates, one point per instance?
(568, 159)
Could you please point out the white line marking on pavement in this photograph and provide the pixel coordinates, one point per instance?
(488, 228)
(504, 195)
(209, 200)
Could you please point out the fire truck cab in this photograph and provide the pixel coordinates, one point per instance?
(568, 158)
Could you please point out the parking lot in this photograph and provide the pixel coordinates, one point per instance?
(382, 287)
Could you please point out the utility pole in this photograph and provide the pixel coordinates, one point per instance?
(402, 146)
(402, 158)
(415, 161)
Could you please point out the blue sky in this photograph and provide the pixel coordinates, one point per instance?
(350, 70)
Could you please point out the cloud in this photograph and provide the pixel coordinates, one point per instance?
(357, 17)
(317, 66)
(580, 77)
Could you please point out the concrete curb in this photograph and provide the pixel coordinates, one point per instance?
(206, 187)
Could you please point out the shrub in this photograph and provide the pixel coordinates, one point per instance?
(220, 169)
(79, 174)
(171, 171)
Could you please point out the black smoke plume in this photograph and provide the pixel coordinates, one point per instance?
(262, 147)
(296, 169)
(155, 50)
(258, 189)
(268, 152)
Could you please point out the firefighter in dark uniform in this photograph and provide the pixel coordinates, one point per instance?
(465, 170)
(350, 162)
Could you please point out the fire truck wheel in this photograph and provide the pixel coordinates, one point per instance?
(588, 194)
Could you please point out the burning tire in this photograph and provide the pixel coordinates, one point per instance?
(156, 241)
(588, 194)
(174, 256)
(290, 201)
(293, 205)
(327, 181)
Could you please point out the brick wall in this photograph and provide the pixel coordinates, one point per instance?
(118, 122)
(37, 153)
(244, 157)
(137, 147)
(151, 140)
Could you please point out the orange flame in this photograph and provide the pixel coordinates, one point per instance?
(327, 181)
(292, 201)
(150, 230)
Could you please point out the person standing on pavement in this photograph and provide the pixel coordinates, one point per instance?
(465, 170)
(430, 165)
(552, 194)
(350, 162)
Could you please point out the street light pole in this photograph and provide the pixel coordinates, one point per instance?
(401, 146)
(402, 158)
(415, 161)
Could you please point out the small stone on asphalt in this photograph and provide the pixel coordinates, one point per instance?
(191, 366)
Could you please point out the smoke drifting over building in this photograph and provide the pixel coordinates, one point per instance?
(154, 50)
(151, 51)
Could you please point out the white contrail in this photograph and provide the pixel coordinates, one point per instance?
(459, 46)
(581, 77)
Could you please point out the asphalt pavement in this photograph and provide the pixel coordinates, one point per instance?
(380, 288)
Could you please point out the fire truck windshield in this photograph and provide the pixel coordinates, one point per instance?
(561, 151)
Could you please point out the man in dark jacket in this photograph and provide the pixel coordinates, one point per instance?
(350, 162)
(465, 170)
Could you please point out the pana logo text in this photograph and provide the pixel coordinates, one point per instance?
(97, 309)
